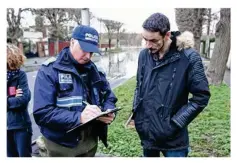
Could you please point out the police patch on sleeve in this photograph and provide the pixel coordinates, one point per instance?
(65, 78)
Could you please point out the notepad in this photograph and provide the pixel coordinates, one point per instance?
(105, 113)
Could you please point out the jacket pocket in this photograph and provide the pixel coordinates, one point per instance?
(157, 126)
(65, 89)
(172, 130)
(139, 124)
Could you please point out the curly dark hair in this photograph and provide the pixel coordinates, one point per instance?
(157, 22)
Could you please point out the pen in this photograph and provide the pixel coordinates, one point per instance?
(85, 102)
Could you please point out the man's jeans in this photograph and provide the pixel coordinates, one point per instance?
(171, 153)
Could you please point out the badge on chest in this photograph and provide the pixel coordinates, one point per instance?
(65, 78)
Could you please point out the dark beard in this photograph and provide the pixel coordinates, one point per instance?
(156, 54)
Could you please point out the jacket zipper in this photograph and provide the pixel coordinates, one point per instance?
(168, 99)
(167, 96)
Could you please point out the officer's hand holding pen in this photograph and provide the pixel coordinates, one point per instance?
(89, 113)
(106, 119)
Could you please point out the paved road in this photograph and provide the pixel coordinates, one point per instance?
(31, 81)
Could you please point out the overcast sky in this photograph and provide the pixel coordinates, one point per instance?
(131, 17)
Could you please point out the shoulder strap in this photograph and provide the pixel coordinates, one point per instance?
(50, 60)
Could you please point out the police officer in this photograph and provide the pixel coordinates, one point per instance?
(61, 86)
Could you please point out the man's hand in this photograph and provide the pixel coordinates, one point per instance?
(107, 119)
(90, 112)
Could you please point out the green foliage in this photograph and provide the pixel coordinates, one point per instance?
(122, 141)
(209, 132)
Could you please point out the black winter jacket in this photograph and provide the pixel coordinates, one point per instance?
(162, 109)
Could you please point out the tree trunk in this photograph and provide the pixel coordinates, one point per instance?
(118, 61)
(110, 63)
(207, 52)
(197, 44)
(117, 43)
(209, 21)
(191, 19)
(56, 46)
(217, 67)
(117, 39)
(109, 43)
(197, 26)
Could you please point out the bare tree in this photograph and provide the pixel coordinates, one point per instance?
(191, 19)
(217, 67)
(75, 14)
(110, 26)
(39, 23)
(118, 26)
(57, 17)
(14, 30)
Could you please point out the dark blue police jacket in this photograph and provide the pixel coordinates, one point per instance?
(58, 95)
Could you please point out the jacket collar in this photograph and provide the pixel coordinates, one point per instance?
(180, 41)
(172, 57)
(66, 62)
(14, 77)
